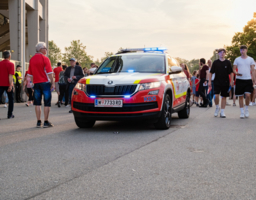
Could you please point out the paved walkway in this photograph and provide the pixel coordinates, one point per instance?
(199, 158)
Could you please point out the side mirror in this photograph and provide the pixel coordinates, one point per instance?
(175, 70)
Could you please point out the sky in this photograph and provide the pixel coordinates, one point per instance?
(189, 29)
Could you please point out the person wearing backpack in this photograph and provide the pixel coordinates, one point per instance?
(63, 87)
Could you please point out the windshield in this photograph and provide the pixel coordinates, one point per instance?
(133, 63)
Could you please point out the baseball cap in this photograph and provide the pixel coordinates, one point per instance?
(72, 59)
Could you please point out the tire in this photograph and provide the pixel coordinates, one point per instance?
(164, 121)
(84, 123)
(185, 112)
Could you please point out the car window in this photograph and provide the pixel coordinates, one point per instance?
(133, 63)
(172, 62)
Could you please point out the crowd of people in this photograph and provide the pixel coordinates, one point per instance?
(220, 80)
(39, 81)
(217, 80)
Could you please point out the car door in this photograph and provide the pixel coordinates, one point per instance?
(178, 81)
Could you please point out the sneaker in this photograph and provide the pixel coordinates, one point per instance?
(234, 104)
(216, 112)
(246, 113)
(48, 124)
(253, 103)
(222, 115)
(59, 104)
(242, 116)
(27, 105)
(11, 117)
(197, 104)
(250, 104)
(228, 104)
(39, 124)
(5, 106)
(67, 106)
(70, 111)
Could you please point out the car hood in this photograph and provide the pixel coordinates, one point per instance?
(123, 78)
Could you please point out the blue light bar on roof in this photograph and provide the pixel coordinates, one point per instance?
(162, 49)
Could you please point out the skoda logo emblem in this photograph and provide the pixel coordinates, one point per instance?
(110, 82)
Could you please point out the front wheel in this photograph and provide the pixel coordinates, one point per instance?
(81, 123)
(164, 121)
(185, 112)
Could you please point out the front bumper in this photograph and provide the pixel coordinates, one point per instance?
(151, 116)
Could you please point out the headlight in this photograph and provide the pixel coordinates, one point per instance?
(81, 86)
(146, 86)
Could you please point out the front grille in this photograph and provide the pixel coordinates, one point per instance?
(116, 90)
(132, 107)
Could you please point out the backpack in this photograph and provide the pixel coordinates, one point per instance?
(62, 78)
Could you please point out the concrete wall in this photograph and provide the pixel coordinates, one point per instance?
(28, 24)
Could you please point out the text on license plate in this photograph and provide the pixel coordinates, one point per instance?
(108, 103)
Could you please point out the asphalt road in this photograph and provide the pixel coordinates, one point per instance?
(199, 158)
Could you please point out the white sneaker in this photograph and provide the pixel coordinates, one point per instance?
(228, 104)
(67, 106)
(250, 104)
(253, 103)
(222, 115)
(216, 112)
(5, 105)
(242, 116)
(246, 113)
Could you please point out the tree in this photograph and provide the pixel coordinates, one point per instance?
(107, 54)
(54, 53)
(247, 37)
(77, 50)
(193, 65)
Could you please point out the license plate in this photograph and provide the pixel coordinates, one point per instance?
(108, 103)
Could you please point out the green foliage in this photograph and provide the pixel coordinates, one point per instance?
(193, 65)
(107, 54)
(54, 53)
(247, 37)
(77, 50)
(181, 60)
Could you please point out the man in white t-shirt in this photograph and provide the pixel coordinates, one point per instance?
(245, 78)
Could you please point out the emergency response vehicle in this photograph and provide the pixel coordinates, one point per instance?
(134, 84)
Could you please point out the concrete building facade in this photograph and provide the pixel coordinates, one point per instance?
(23, 23)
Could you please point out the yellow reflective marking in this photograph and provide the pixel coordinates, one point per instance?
(137, 81)
(180, 95)
(175, 93)
(87, 81)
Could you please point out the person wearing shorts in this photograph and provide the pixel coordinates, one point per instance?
(245, 78)
(222, 69)
(42, 75)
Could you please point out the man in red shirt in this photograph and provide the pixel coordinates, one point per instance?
(202, 73)
(57, 71)
(6, 80)
(42, 75)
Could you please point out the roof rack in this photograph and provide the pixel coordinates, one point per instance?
(147, 49)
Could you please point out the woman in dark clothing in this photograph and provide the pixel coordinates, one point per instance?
(63, 87)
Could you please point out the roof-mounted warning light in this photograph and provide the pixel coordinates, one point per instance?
(147, 49)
